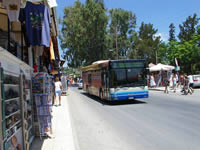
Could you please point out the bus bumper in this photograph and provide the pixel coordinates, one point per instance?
(129, 96)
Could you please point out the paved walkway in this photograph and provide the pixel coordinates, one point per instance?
(62, 131)
(170, 89)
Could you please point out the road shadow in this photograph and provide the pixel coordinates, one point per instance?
(113, 103)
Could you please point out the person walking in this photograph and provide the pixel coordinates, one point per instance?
(152, 81)
(174, 80)
(191, 83)
(186, 85)
(166, 83)
(58, 89)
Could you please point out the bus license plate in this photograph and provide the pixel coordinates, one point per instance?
(131, 98)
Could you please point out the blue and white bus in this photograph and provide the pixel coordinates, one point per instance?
(116, 79)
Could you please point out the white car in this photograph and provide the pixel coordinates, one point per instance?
(80, 84)
(196, 80)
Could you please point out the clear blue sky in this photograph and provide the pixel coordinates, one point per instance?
(160, 13)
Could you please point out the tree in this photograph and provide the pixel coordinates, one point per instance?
(99, 1)
(71, 34)
(122, 25)
(187, 53)
(188, 28)
(163, 54)
(81, 38)
(172, 32)
(148, 44)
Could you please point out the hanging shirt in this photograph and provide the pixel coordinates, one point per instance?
(13, 7)
(37, 21)
(23, 3)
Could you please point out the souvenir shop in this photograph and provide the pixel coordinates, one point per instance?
(29, 58)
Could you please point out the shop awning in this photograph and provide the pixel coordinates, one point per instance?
(160, 67)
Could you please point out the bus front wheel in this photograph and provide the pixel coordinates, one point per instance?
(101, 94)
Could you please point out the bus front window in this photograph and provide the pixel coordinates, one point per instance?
(132, 77)
(118, 77)
(136, 77)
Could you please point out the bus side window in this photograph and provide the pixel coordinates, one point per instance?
(102, 78)
(89, 79)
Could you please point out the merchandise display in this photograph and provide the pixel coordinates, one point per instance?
(42, 87)
(16, 121)
(1, 99)
(27, 112)
(11, 111)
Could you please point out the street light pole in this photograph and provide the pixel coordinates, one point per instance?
(156, 57)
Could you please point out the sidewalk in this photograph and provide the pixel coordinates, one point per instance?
(170, 89)
(62, 131)
(163, 88)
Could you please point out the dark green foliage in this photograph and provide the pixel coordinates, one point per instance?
(147, 43)
(172, 32)
(83, 33)
(188, 28)
(122, 27)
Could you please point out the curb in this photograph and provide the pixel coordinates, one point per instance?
(156, 89)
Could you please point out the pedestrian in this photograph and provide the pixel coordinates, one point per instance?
(152, 81)
(58, 89)
(186, 85)
(191, 83)
(166, 83)
(53, 92)
(180, 81)
(174, 80)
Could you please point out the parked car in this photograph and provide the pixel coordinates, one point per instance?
(80, 84)
(196, 80)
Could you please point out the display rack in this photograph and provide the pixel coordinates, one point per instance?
(1, 99)
(12, 101)
(42, 103)
(27, 112)
(11, 111)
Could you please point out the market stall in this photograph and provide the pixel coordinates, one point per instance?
(22, 52)
(160, 71)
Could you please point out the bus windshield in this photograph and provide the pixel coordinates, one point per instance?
(128, 75)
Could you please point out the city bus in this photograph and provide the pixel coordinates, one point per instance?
(116, 79)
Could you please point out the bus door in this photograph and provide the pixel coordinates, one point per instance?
(106, 84)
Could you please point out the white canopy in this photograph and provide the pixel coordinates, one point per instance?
(160, 67)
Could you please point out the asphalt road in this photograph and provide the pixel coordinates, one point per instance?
(161, 122)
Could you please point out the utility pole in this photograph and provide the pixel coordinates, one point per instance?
(156, 56)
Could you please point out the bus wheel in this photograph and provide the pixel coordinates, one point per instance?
(101, 94)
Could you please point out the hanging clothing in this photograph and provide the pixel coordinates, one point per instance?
(38, 51)
(37, 21)
(23, 3)
(13, 8)
(52, 55)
